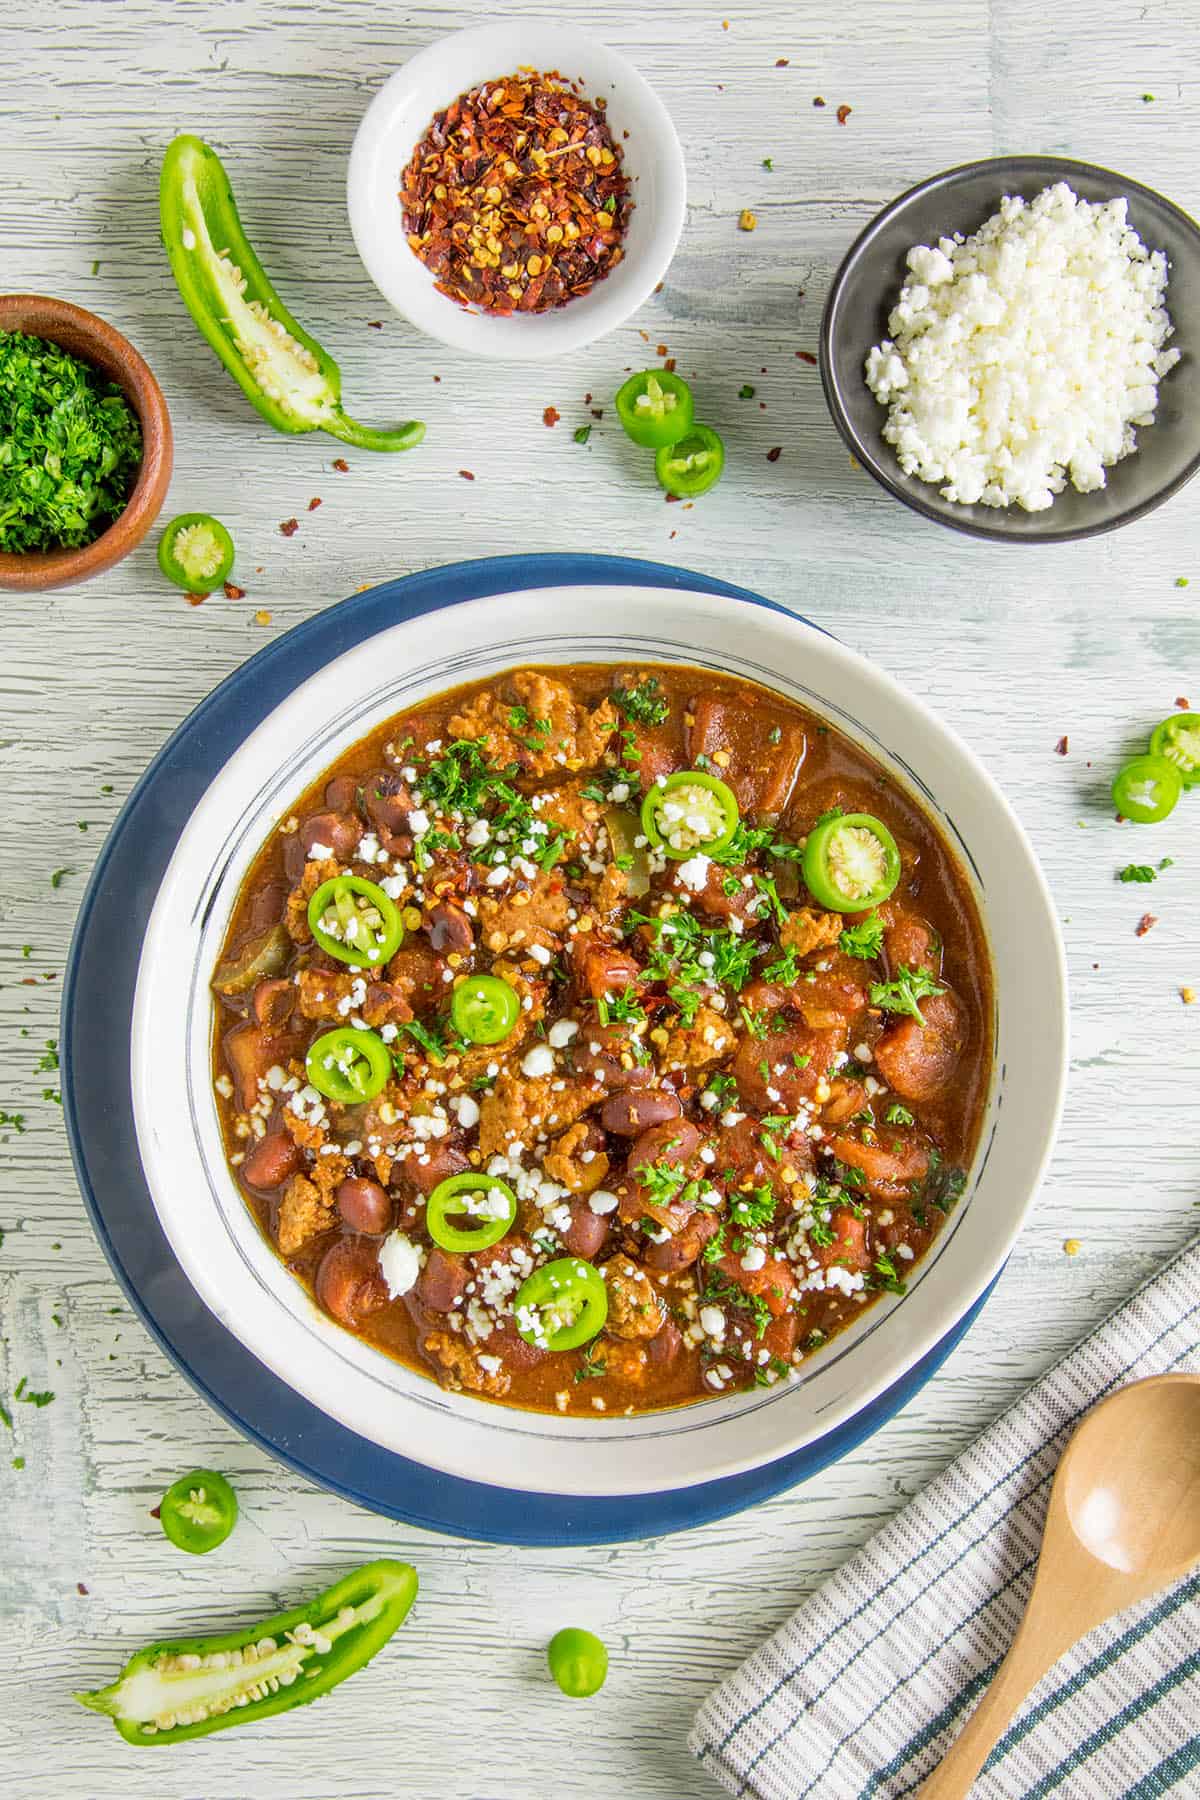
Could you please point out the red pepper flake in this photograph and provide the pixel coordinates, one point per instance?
(775, 454)
(374, 324)
(1145, 923)
(660, 350)
(806, 356)
(672, 499)
(156, 1512)
(516, 198)
(597, 412)
(79, 1588)
(1181, 702)
(817, 100)
(551, 416)
(781, 62)
(436, 378)
(234, 593)
(587, 399)
(674, 534)
(289, 527)
(314, 503)
(466, 474)
(340, 463)
(1062, 746)
(196, 599)
(843, 113)
(669, 365)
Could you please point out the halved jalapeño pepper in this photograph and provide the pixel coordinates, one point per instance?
(1147, 789)
(484, 1009)
(851, 862)
(353, 919)
(562, 1305)
(187, 1687)
(1178, 740)
(480, 1197)
(348, 1065)
(283, 372)
(690, 813)
(655, 407)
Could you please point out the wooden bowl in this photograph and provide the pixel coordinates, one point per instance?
(89, 338)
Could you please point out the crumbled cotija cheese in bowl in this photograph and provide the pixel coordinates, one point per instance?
(1024, 355)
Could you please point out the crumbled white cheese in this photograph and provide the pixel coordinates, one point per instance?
(603, 1202)
(561, 1033)
(418, 822)
(1025, 355)
(467, 1108)
(399, 1263)
(538, 1061)
(694, 872)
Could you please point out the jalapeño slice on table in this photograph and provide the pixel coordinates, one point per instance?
(198, 1511)
(353, 919)
(484, 1009)
(851, 862)
(195, 552)
(562, 1305)
(476, 1196)
(690, 467)
(690, 813)
(655, 407)
(1178, 740)
(187, 1687)
(348, 1065)
(1147, 789)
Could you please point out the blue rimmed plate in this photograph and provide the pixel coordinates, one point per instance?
(170, 867)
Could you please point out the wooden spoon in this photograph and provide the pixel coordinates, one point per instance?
(1123, 1523)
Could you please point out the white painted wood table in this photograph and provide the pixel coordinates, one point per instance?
(1015, 648)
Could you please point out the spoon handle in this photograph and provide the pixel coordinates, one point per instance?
(1031, 1654)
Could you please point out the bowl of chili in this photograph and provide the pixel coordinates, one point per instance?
(516, 190)
(108, 367)
(239, 1274)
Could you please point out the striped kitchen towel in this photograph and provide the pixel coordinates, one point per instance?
(859, 1695)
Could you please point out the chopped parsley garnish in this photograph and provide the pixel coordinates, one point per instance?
(72, 447)
(643, 703)
(13, 1120)
(59, 876)
(820, 1232)
(898, 1115)
(582, 434)
(746, 392)
(755, 1022)
(1138, 872)
(591, 1368)
(885, 1276)
(49, 1057)
(864, 940)
(766, 887)
(755, 1208)
(27, 951)
(764, 1371)
(618, 1007)
(714, 1250)
(785, 969)
(902, 995)
(666, 1182)
(429, 1038)
(723, 1086)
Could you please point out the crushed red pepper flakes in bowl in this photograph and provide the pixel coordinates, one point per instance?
(516, 198)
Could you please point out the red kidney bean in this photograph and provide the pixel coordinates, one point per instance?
(272, 1161)
(663, 1349)
(442, 1281)
(515, 1353)
(386, 800)
(676, 1141)
(683, 1249)
(341, 794)
(349, 1284)
(597, 1052)
(587, 1233)
(627, 1115)
(274, 1001)
(449, 928)
(338, 832)
(443, 1161)
(364, 1205)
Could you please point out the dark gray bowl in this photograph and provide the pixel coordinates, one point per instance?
(868, 284)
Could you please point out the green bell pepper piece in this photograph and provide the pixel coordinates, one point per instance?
(187, 1687)
(283, 372)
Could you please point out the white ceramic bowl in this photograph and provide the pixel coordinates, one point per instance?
(244, 1283)
(395, 122)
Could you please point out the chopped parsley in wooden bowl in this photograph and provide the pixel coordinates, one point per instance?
(85, 444)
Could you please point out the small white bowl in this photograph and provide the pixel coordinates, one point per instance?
(396, 121)
(237, 1273)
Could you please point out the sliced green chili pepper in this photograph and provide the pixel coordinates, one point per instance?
(624, 829)
(655, 407)
(353, 919)
(561, 1305)
(187, 1687)
(477, 1196)
(690, 813)
(691, 466)
(283, 372)
(484, 1009)
(578, 1661)
(1147, 789)
(1178, 739)
(348, 1065)
(851, 862)
(195, 552)
(198, 1511)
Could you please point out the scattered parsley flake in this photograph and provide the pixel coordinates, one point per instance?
(864, 940)
(898, 1115)
(642, 703)
(58, 877)
(581, 435)
(1137, 872)
(902, 995)
(746, 392)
